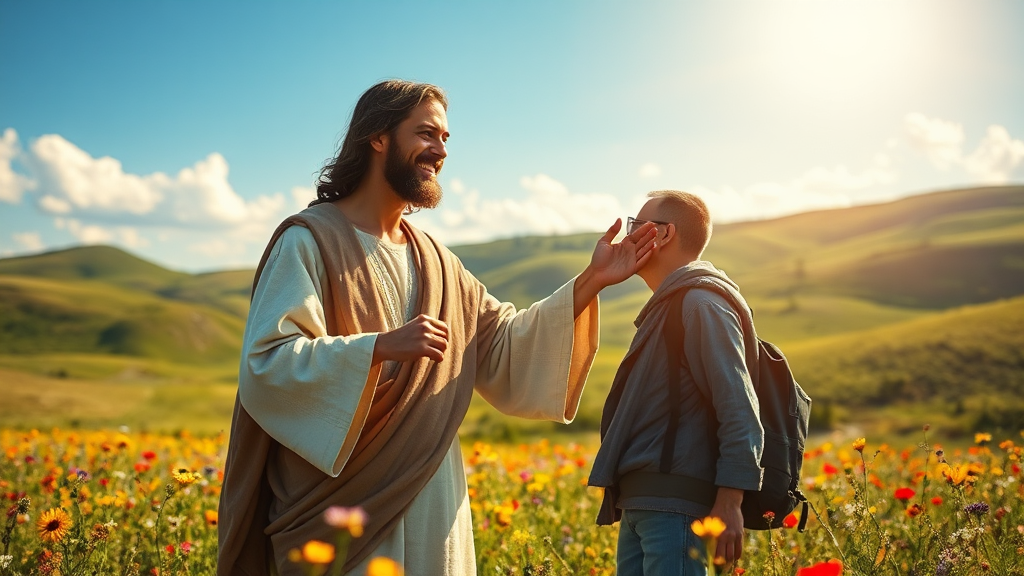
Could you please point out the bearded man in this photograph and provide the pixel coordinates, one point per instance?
(365, 341)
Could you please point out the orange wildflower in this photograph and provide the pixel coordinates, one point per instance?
(383, 567)
(317, 552)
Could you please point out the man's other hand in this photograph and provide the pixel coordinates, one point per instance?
(421, 337)
(727, 507)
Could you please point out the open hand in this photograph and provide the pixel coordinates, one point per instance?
(613, 263)
(421, 337)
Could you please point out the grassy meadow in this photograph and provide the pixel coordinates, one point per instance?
(107, 502)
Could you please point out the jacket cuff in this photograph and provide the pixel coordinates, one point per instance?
(739, 475)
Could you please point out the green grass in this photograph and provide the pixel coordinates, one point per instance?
(967, 363)
(105, 391)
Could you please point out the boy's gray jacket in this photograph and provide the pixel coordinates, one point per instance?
(719, 356)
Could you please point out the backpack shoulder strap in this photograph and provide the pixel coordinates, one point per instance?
(673, 337)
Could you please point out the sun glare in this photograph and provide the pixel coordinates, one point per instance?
(840, 50)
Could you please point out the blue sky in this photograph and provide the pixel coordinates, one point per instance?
(185, 131)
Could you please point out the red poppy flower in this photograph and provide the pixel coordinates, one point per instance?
(831, 568)
(904, 494)
(790, 521)
(829, 469)
(937, 500)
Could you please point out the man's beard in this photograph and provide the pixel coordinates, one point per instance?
(405, 179)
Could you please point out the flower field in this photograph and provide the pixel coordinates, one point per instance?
(108, 502)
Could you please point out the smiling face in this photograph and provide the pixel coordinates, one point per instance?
(415, 154)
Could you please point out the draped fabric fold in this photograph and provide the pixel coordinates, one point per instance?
(392, 457)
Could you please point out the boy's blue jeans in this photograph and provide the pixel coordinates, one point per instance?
(655, 543)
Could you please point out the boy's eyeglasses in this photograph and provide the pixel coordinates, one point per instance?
(632, 224)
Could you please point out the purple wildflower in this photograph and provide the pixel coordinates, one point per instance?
(978, 508)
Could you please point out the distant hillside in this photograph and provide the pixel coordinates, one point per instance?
(98, 263)
(869, 303)
(228, 290)
(930, 251)
(42, 316)
(967, 360)
(807, 275)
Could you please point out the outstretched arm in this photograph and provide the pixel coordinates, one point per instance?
(612, 263)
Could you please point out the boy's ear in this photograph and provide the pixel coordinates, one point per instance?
(670, 233)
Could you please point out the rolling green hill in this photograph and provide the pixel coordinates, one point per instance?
(886, 253)
(891, 313)
(99, 263)
(88, 316)
(967, 361)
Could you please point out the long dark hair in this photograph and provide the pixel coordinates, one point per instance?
(379, 110)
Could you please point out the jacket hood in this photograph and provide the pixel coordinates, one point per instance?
(692, 275)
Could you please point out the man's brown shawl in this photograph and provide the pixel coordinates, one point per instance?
(409, 425)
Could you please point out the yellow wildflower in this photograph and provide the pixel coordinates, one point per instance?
(710, 527)
(521, 537)
(317, 552)
(184, 477)
(981, 437)
(859, 443)
(956, 475)
(53, 525)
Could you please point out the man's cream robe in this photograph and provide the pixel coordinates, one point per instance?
(291, 365)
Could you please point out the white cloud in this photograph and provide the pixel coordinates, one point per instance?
(88, 183)
(218, 248)
(126, 236)
(54, 205)
(649, 170)
(12, 184)
(815, 189)
(200, 196)
(941, 140)
(302, 196)
(30, 241)
(85, 233)
(548, 208)
(131, 237)
(996, 157)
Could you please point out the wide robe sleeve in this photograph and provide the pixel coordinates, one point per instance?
(304, 387)
(537, 363)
